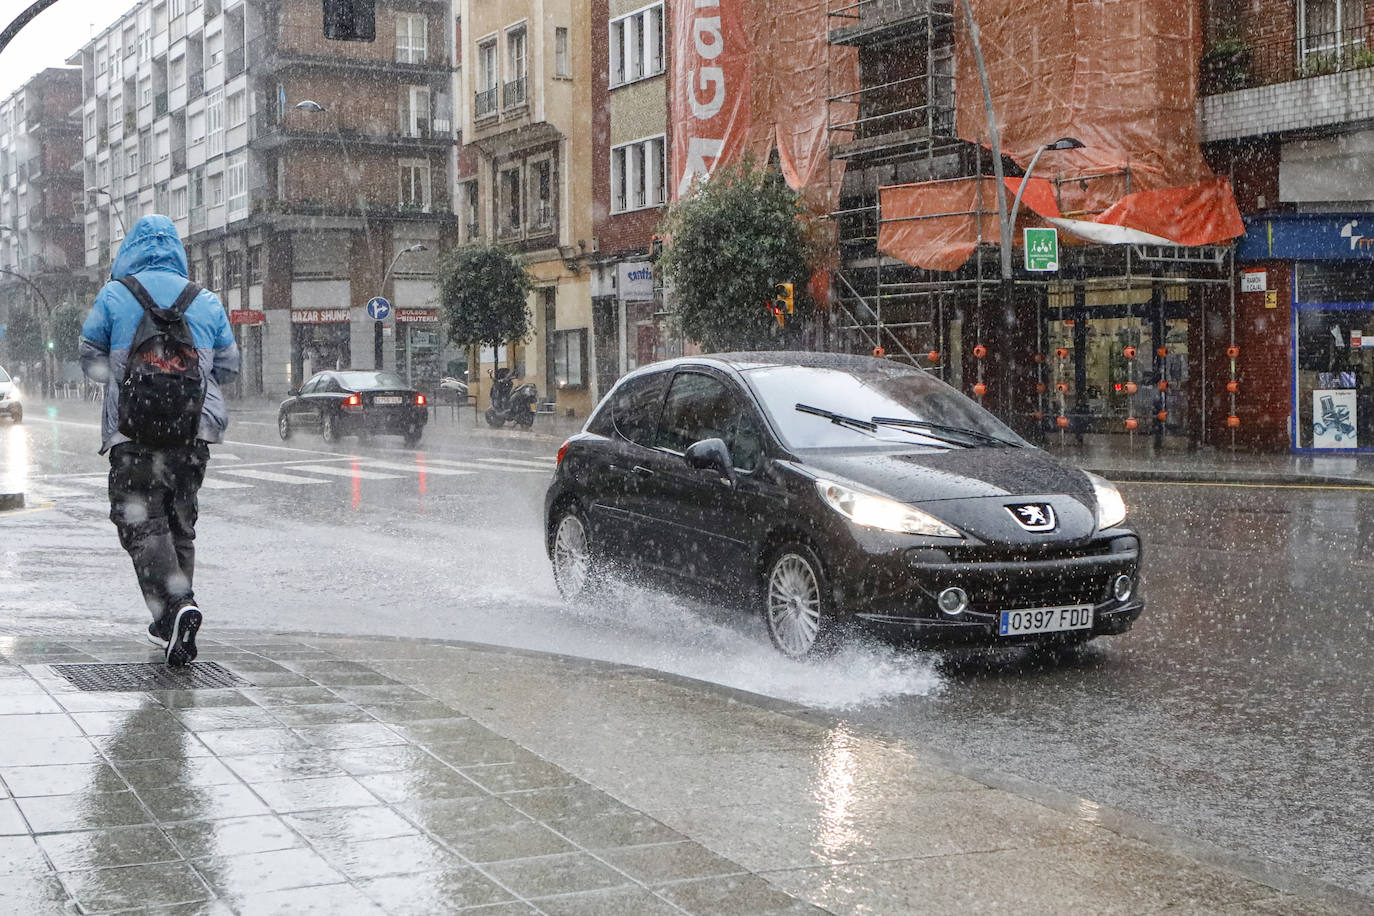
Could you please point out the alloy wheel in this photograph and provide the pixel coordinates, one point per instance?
(794, 604)
(329, 430)
(283, 427)
(571, 557)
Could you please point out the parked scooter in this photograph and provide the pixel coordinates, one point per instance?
(509, 402)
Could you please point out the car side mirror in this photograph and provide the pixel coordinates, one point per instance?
(712, 455)
(292, 392)
(16, 379)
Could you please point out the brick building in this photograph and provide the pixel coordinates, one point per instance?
(40, 198)
(299, 171)
(1288, 99)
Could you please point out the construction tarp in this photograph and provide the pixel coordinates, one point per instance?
(752, 78)
(936, 225)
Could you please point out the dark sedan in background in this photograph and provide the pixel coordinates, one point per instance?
(831, 490)
(350, 402)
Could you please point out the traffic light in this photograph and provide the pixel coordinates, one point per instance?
(776, 311)
(52, 345)
(350, 20)
(783, 296)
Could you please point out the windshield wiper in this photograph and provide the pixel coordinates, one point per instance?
(839, 419)
(924, 426)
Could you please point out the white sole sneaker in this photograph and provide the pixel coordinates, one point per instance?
(181, 648)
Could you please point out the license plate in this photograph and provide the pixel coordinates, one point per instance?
(387, 399)
(1046, 620)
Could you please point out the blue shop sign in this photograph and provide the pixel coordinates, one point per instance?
(1308, 237)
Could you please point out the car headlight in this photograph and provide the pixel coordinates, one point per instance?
(879, 512)
(1111, 508)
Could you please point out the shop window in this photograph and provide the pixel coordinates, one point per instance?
(570, 358)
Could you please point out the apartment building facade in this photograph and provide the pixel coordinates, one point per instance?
(1288, 99)
(303, 174)
(524, 181)
(40, 195)
(629, 170)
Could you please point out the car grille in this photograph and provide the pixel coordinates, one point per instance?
(1039, 589)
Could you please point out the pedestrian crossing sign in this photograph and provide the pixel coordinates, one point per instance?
(1042, 249)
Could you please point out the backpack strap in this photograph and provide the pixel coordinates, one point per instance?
(179, 306)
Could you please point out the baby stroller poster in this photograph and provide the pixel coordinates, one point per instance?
(1333, 418)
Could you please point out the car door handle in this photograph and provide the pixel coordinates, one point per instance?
(641, 471)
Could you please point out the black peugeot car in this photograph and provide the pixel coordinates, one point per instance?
(831, 490)
(353, 402)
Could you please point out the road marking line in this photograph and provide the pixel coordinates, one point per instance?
(541, 465)
(479, 465)
(343, 471)
(1247, 486)
(224, 456)
(417, 468)
(255, 474)
(214, 483)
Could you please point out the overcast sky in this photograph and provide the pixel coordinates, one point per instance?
(52, 37)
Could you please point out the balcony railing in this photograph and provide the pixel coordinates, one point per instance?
(160, 104)
(1233, 63)
(233, 62)
(484, 103)
(513, 93)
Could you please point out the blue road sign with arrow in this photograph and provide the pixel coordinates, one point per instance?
(378, 308)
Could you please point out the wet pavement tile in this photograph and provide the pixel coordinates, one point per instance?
(131, 886)
(241, 741)
(518, 777)
(478, 753)
(416, 711)
(46, 720)
(272, 678)
(559, 874)
(386, 759)
(569, 802)
(349, 735)
(308, 715)
(350, 825)
(431, 781)
(671, 862)
(381, 693)
(232, 836)
(63, 813)
(18, 685)
(747, 894)
(104, 701)
(124, 722)
(33, 894)
(292, 795)
(202, 803)
(521, 840)
(118, 846)
(447, 731)
(400, 855)
(300, 764)
(20, 855)
(227, 717)
(455, 816)
(609, 831)
(289, 696)
(261, 872)
(171, 773)
(150, 746)
(200, 699)
(330, 900)
(62, 779)
(351, 679)
(622, 901)
(443, 891)
(11, 822)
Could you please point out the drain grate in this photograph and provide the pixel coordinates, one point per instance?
(149, 676)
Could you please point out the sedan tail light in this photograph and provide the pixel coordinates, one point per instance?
(562, 450)
(354, 400)
(419, 400)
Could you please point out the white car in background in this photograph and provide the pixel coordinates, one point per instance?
(11, 404)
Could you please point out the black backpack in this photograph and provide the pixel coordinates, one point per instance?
(162, 393)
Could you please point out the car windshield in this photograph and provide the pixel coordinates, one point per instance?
(4, 376)
(903, 407)
(363, 381)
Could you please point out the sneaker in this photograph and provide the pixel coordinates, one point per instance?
(181, 644)
(156, 632)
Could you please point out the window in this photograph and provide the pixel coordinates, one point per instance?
(632, 410)
(176, 73)
(638, 175)
(236, 108)
(214, 122)
(570, 358)
(414, 111)
(195, 189)
(1331, 31)
(89, 127)
(162, 198)
(485, 102)
(233, 269)
(101, 62)
(215, 188)
(214, 49)
(236, 177)
(195, 128)
(410, 38)
(159, 19)
(700, 406)
(510, 200)
(636, 45)
(162, 145)
(562, 67)
(179, 200)
(254, 264)
(541, 198)
(214, 274)
(145, 91)
(414, 194)
(514, 93)
(176, 7)
(145, 158)
(116, 109)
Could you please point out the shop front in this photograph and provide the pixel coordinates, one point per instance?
(1331, 294)
(419, 347)
(320, 340)
(247, 325)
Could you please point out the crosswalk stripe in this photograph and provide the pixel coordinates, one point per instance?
(256, 474)
(485, 467)
(520, 462)
(224, 456)
(418, 468)
(214, 483)
(343, 470)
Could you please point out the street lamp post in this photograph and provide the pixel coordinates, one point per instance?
(45, 327)
(377, 326)
(114, 207)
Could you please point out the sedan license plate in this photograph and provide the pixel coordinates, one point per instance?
(1046, 620)
(387, 399)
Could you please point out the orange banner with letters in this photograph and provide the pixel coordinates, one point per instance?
(712, 70)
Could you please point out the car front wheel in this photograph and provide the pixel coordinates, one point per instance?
(575, 570)
(796, 606)
(283, 426)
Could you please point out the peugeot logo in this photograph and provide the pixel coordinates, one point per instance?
(1034, 516)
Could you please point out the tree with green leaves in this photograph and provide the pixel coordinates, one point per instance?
(482, 289)
(67, 319)
(23, 338)
(727, 244)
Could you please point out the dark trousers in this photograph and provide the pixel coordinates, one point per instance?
(153, 506)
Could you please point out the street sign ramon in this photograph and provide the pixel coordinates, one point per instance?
(378, 308)
(1042, 249)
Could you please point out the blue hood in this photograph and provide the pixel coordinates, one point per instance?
(153, 244)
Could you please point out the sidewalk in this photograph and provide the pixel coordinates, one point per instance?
(359, 775)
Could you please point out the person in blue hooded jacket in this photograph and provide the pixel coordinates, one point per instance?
(153, 490)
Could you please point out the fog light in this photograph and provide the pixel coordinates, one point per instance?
(1122, 587)
(953, 601)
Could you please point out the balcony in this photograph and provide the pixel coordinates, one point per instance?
(854, 22)
(1284, 86)
(484, 103)
(159, 104)
(233, 62)
(513, 93)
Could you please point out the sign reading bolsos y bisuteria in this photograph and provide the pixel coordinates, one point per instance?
(634, 281)
(1042, 249)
